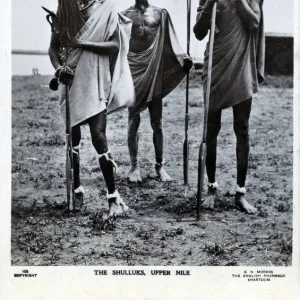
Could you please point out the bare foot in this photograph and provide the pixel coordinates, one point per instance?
(115, 210)
(79, 198)
(134, 175)
(209, 202)
(116, 205)
(162, 173)
(123, 205)
(243, 204)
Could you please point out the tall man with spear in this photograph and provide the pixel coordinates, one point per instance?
(237, 69)
(158, 65)
(92, 40)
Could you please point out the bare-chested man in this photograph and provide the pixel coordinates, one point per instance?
(94, 34)
(238, 67)
(157, 65)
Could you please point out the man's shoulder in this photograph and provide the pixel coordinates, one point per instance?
(151, 7)
(158, 9)
(127, 11)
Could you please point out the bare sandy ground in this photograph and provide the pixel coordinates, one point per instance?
(160, 228)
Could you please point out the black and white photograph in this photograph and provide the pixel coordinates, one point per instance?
(152, 133)
(149, 149)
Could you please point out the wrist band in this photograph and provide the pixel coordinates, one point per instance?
(57, 71)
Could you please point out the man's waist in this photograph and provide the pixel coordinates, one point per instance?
(141, 44)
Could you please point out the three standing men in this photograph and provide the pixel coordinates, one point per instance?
(158, 65)
(238, 67)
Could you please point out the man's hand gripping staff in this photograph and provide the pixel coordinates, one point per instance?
(63, 74)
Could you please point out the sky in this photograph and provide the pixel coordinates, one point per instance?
(30, 30)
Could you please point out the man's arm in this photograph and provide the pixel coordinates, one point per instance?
(64, 76)
(187, 60)
(102, 48)
(203, 18)
(250, 13)
(53, 50)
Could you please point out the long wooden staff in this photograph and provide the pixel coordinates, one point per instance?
(186, 141)
(69, 149)
(203, 146)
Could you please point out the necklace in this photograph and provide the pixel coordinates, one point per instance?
(84, 6)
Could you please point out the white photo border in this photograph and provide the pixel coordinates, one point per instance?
(81, 283)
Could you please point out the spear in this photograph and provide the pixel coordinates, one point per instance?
(69, 149)
(51, 17)
(203, 146)
(186, 141)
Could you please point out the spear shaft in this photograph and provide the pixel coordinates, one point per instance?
(203, 146)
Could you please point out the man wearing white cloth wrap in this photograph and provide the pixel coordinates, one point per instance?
(97, 40)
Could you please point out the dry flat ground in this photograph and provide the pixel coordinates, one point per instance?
(160, 228)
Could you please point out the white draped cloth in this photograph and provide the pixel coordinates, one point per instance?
(94, 88)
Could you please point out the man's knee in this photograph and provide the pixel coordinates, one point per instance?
(99, 141)
(134, 123)
(241, 114)
(241, 131)
(213, 127)
(156, 124)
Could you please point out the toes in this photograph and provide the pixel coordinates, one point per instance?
(251, 210)
(163, 175)
(118, 210)
(115, 211)
(125, 207)
(208, 204)
(134, 178)
(165, 178)
(115, 214)
(247, 208)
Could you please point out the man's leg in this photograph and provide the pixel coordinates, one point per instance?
(97, 125)
(155, 111)
(134, 174)
(79, 191)
(213, 129)
(241, 114)
(76, 137)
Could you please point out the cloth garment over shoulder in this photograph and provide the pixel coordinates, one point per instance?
(94, 88)
(238, 60)
(157, 70)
